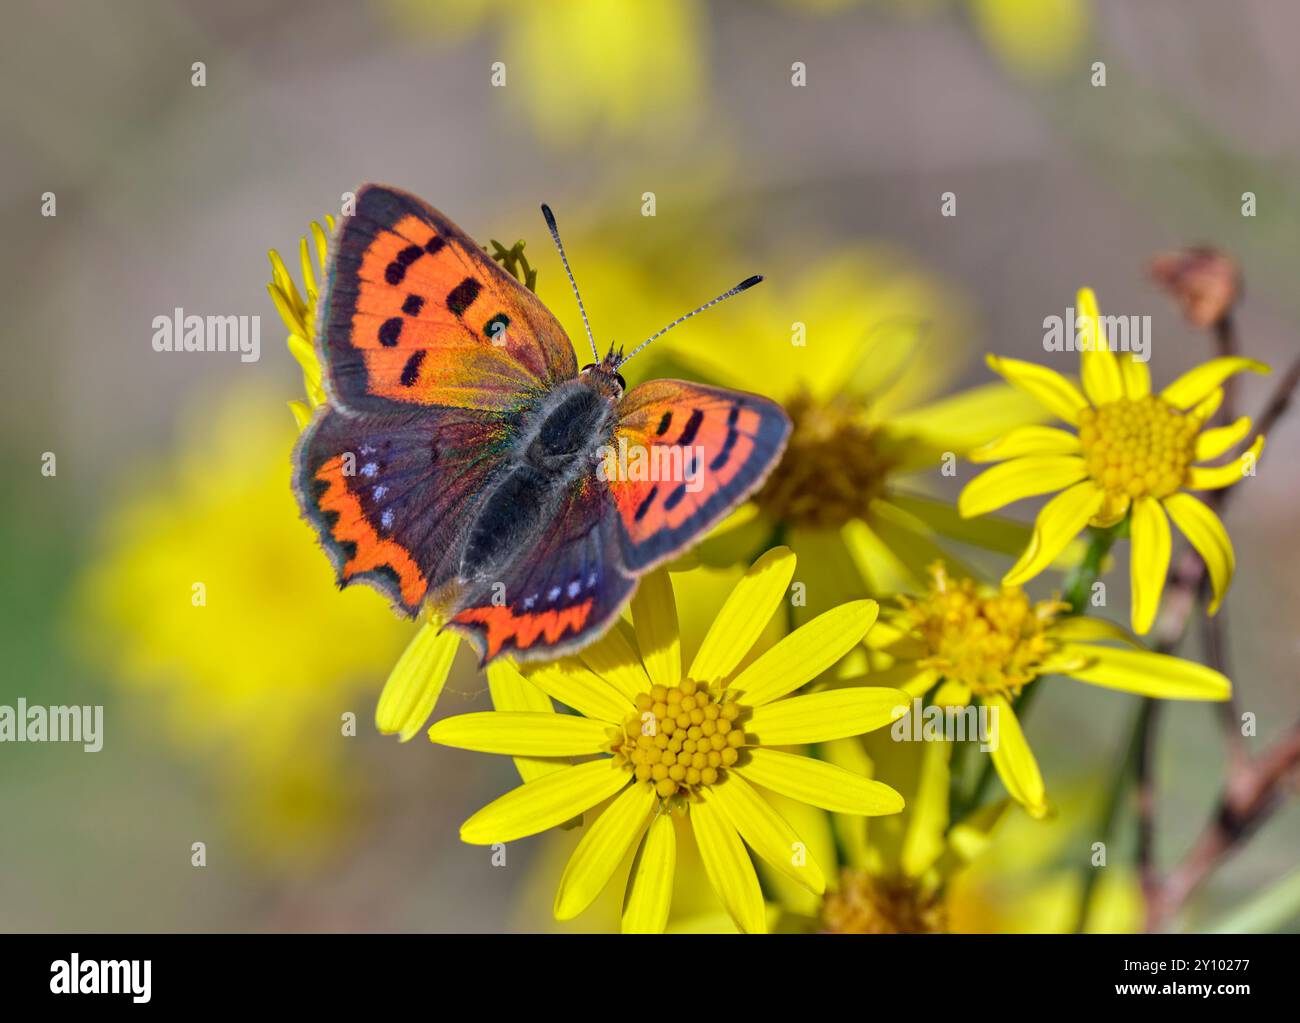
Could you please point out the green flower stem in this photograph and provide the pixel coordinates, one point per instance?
(1079, 583)
(1125, 772)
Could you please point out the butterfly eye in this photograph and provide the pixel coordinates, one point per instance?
(622, 384)
(590, 365)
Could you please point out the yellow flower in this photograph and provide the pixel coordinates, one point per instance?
(892, 874)
(417, 679)
(1133, 455)
(211, 602)
(977, 643)
(619, 67)
(697, 744)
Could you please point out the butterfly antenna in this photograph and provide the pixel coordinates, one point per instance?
(744, 285)
(555, 236)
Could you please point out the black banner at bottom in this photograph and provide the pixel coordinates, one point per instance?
(148, 973)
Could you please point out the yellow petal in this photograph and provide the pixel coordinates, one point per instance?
(301, 414)
(510, 691)
(1060, 521)
(767, 833)
(1149, 674)
(1210, 405)
(952, 694)
(818, 784)
(820, 717)
(1057, 394)
(1028, 440)
(305, 352)
(1083, 629)
(728, 865)
(1015, 761)
(912, 541)
(879, 567)
(1205, 532)
(649, 894)
(1149, 563)
(1216, 478)
(992, 532)
(1213, 443)
(416, 681)
(544, 802)
(522, 733)
(1100, 370)
(804, 654)
(1135, 373)
(602, 849)
(924, 841)
(1019, 478)
(744, 616)
(308, 274)
(615, 659)
(586, 692)
(963, 420)
(1199, 383)
(654, 614)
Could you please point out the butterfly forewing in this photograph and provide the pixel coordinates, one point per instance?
(415, 313)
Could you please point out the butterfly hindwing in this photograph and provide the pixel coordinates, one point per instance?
(415, 313)
(717, 445)
(560, 591)
(390, 495)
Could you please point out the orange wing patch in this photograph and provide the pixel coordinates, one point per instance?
(371, 553)
(417, 313)
(504, 626)
(700, 451)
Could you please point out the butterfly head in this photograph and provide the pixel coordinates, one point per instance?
(604, 375)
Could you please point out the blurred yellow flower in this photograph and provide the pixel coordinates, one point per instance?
(977, 643)
(210, 599)
(1132, 457)
(696, 742)
(620, 67)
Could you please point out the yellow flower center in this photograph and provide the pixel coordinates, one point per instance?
(1138, 447)
(680, 738)
(833, 466)
(994, 643)
(867, 905)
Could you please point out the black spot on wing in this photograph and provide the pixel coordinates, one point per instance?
(675, 498)
(411, 371)
(462, 296)
(664, 423)
(691, 429)
(395, 272)
(644, 506)
(413, 305)
(390, 331)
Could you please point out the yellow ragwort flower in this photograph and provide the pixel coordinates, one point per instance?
(979, 643)
(1133, 454)
(695, 745)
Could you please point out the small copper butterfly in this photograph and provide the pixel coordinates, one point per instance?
(464, 460)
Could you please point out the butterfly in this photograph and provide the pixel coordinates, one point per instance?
(464, 461)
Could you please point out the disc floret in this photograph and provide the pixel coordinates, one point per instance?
(992, 642)
(1138, 447)
(833, 469)
(681, 738)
